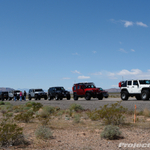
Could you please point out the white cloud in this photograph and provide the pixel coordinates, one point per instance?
(75, 54)
(94, 52)
(83, 77)
(132, 72)
(97, 73)
(141, 24)
(76, 72)
(114, 86)
(122, 50)
(127, 23)
(132, 50)
(66, 78)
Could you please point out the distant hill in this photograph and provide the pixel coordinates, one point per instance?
(113, 90)
(6, 89)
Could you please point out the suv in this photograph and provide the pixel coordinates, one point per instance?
(37, 94)
(138, 88)
(18, 94)
(86, 90)
(10, 95)
(3, 95)
(58, 93)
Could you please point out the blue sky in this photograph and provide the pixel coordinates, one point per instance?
(61, 42)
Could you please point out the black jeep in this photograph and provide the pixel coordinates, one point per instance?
(58, 93)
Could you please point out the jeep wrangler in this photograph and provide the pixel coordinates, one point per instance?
(138, 88)
(86, 90)
(37, 94)
(58, 93)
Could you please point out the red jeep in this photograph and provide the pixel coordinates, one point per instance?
(86, 90)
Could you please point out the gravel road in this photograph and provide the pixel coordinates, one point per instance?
(92, 104)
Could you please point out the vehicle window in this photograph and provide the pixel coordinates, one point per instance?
(123, 84)
(74, 88)
(144, 81)
(135, 82)
(129, 82)
(38, 90)
(78, 87)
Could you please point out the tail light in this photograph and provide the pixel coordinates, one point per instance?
(119, 84)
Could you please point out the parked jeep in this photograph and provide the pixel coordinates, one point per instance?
(18, 94)
(3, 95)
(58, 93)
(86, 90)
(138, 88)
(37, 94)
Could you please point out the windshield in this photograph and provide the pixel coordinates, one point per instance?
(144, 81)
(60, 88)
(16, 91)
(38, 90)
(101, 89)
(90, 85)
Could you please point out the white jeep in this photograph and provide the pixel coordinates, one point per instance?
(138, 88)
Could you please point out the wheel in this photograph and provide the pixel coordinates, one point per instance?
(45, 97)
(56, 97)
(68, 97)
(29, 98)
(75, 97)
(145, 95)
(49, 97)
(138, 97)
(88, 96)
(100, 97)
(124, 95)
(39, 98)
(61, 98)
(10, 99)
(106, 96)
(36, 97)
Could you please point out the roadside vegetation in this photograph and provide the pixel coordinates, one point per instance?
(30, 125)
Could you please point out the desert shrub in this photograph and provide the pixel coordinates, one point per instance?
(76, 107)
(43, 113)
(26, 108)
(43, 132)
(30, 104)
(24, 117)
(110, 115)
(76, 118)
(146, 112)
(7, 103)
(2, 103)
(10, 133)
(49, 109)
(111, 132)
(36, 106)
(93, 115)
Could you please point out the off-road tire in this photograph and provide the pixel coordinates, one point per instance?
(49, 97)
(68, 97)
(145, 95)
(87, 96)
(124, 95)
(29, 98)
(56, 97)
(75, 97)
(45, 98)
(36, 97)
(100, 97)
(61, 98)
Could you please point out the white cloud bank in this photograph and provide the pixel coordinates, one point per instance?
(83, 77)
(129, 23)
(126, 74)
(76, 72)
(141, 24)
